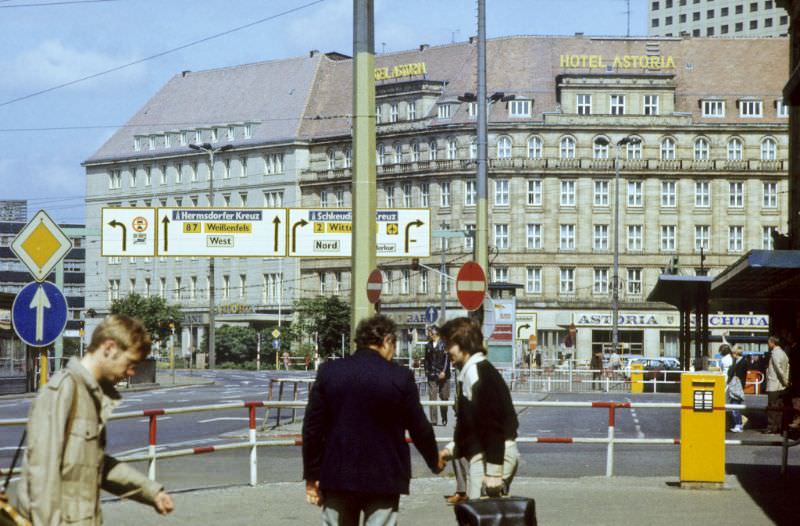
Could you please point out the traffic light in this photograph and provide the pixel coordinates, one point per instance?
(414, 263)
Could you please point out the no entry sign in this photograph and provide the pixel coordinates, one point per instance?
(471, 285)
(374, 286)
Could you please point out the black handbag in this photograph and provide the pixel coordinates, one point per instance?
(497, 511)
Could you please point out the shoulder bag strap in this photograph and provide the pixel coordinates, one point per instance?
(14, 461)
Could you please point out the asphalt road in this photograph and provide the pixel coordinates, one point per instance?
(283, 464)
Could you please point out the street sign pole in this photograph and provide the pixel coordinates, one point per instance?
(482, 210)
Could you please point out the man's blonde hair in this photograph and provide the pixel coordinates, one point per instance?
(128, 333)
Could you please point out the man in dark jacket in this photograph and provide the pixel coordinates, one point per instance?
(355, 456)
(437, 372)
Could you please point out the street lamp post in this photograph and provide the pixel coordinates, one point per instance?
(210, 150)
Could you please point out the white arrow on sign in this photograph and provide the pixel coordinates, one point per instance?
(40, 303)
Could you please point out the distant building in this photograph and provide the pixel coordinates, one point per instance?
(14, 210)
(713, 18)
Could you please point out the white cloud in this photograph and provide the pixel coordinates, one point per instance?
(52, 63)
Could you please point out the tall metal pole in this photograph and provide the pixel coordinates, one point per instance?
(364, 226)
(212, 353)
(615, 277)
(443, 280)
(482, 210)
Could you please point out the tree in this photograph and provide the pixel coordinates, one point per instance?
(327, 318)
(153, 311)
(234, 344)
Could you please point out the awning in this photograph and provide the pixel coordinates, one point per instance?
(757, 280)
(680, 291)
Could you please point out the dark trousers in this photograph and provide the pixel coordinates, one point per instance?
(438, 389)
(775, 411)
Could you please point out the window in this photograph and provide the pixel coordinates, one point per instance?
(273, 163)
(339, 198)
(770, 195)
(472, 110)
(380, 155)
(566, 281)
(323, 199)
(701, 149)
(393, 112)
(501, 236)
(600, 148)
(634, 281)
(635, 238)
(113, 289)
(655, 6)
(535, 148)
(167, 140)
(633, 151)
(601, 193)
(423, 281)
(702, 237)
(132, 178)
(470, 192)
(444, 195)
(331, 155)
(406, 196)
(131, 285)
(750, 108)
(651, 104)
(782, 108)
(682, 18)
(723, 11)
(668, 149)
(348, 157)
(736, 199)
(567, 148)
(754, 24)
(271, 288)
(424, 195)
(739, 27)
(398, 153)
(415, 152)
(766, 237)
(378, 116)
(148, 176)
(695, 16)
(534, 236)
(735, 149)
(600, 238)
(667, 238)
(501, 191)
(654, 22)
(275, 199)
(533, 280)
(389, 196)
(473, 149)
(534, 192)
(568, 193)
(668, 21)
(784, 20)
(702, 194)
(137, 144)
(444, 111)
(405, 281)
(584, 104)
(500, 274)
(162, 288)
(723, 29)
(735, 238)
(519, 108)
(768, 149)
(226, 200)
(411, 110)
(600, 284)
(504, 147)
(452, 149)
(432, 150)
(151, 142)
(214, 135)
(115, 180)
(714, 108)
(248, 131)
(710, 13)
(635, 197)
(767, 22)
(566, 237)
(617, 104)
(469, 239)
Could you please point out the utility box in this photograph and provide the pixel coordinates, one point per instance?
(637, 378)
(702, 430)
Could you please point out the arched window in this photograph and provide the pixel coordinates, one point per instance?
(452, 149)
(567, 150)
(535, 148)
(735, 149)
(633, 151)
(433, 153)
(702, 151)
(504, 147)
(331, 159)
(600, 148)
(769, 149)
(380, 155)
(668, 149)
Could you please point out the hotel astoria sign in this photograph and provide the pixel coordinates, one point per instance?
(660, 319)
(618, 61)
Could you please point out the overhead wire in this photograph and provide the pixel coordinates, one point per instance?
(61, 3)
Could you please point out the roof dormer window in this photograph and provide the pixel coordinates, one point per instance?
(519, 108)
(445, 111)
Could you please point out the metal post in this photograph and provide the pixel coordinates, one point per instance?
(172, 352)
(363, 189)
(151, 449)
(58, 347)
(212, 353)
(258, 351)
(615, 275)
(443, 280)
(482, 210)
(253, 448)
(610, 448)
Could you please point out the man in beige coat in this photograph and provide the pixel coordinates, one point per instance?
(777, 383)
(65, 462)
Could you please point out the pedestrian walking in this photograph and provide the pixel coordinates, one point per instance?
(437, 373)
(65, 463)
(736, 378)
(596, 365)
(486, 423)
(777, 384)
(355, 456)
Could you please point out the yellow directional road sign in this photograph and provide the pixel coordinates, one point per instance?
(41, 245)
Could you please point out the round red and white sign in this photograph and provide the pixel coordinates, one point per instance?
(471, 285)
(374, 286)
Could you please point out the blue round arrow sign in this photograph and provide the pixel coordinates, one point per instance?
(39, 313)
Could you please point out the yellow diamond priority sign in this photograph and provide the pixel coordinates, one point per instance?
(41, 245)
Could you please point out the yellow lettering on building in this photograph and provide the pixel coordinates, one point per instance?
(339, 228)
(401, 70)
(619, 61)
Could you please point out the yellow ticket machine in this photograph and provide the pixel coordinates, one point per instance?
(637, 378)
(702, 430)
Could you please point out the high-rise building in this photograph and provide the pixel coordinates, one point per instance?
(710, 18)
(14, 210)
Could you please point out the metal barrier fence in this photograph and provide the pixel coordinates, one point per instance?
(152, 456)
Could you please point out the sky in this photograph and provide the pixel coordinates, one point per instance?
(44, 138)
